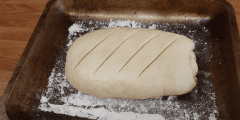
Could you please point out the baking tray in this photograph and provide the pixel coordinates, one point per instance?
(210, 24)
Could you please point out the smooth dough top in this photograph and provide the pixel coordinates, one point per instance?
(131, 63)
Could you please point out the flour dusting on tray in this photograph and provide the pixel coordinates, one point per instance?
(199, 104)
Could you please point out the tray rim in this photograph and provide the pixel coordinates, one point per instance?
(18, 67)
(232, 21)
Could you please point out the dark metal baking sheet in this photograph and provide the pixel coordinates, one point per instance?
(213, 22)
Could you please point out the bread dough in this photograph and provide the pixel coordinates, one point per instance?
(131, 63)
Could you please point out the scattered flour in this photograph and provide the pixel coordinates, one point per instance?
(200, 103)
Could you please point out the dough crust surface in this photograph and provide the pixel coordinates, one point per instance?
(131, 63)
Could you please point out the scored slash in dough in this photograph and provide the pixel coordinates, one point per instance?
(131, 63)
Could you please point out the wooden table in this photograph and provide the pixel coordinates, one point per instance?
(18, 19)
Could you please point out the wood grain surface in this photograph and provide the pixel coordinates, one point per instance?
(18, 18)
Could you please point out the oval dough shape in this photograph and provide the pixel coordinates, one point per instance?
(131, 63)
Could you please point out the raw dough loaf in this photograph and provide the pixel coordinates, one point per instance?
(131, 63)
